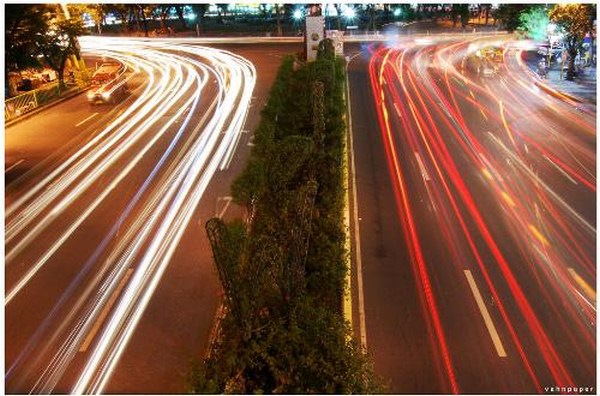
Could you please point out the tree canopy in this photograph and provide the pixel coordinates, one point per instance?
(38, 30)
(574, 21)
(535, 22)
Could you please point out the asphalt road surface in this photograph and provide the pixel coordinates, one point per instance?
(110, 285)
(476, 195)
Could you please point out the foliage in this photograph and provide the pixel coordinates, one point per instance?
(58, 43)
(460, 12)
(309, 352)
(97, 12)
(35, 30)
(509, 14)
(535, 22)
(290, 337)
(574, 21)
(24, 24)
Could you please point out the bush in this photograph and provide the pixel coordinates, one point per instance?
(291, 337)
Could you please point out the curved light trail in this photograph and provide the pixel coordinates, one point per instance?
(506, 172)
(186, 122)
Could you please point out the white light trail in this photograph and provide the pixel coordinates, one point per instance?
(177, 75)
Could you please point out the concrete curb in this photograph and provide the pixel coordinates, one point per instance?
(42, 108)
(558, 94)
(351, 182)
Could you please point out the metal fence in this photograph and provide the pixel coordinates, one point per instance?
(17, 106)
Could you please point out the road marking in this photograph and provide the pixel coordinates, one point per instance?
(227, 203)
(104, 313)
(587, 289)
(561, 170)
(87, 119)
(422, 166)
(359, 280)
(486, 315)
(14, 165)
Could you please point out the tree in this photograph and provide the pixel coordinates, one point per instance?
(24, 23)
(279, 10)
(574, 20)
(144, 12)
(464, 15)
(222, 8)
(179, 8)
(371, 11)
(509, 14)
(163, 11)
(97, 12)
(122, 12)
(535, 22)
(460, 12)
(487, 8)
(200, 10)
(58, 43)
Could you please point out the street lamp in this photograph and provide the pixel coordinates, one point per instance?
(349, 13)
(298, 14)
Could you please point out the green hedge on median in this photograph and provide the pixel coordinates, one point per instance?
(283, 271)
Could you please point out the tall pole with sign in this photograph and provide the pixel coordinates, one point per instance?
(314, 33)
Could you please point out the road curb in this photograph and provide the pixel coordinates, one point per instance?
(349, 158)
(557, 93)
(42, 108)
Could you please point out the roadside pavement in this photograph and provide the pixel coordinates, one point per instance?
(582, 89)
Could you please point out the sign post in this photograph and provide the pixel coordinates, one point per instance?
(315, 32)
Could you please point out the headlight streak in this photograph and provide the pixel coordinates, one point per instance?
(555, 242)
(100, 302)
(160, 227)
(156, 258)
(90, 209)
(85, 161)
(123, 117)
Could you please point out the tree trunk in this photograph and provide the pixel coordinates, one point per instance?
(572, 55)
(60, 71)
(278, 12)
(179, 10)
(145, 21)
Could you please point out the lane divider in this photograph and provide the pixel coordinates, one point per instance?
(489, 324)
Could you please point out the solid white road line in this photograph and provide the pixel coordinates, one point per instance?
(87, 119)
(486, 315)
(104, 313)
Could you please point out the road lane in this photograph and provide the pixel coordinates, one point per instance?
(64, 292)
(474, 190)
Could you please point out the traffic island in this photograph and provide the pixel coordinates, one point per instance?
(283, 267)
